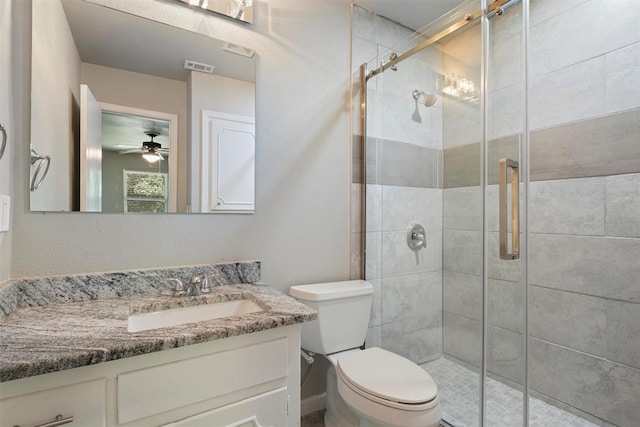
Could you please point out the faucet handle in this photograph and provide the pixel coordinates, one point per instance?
(206, 283)
(177, 289)
(178, 284)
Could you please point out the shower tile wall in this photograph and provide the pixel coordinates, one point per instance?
(584, 214)
(403, 186)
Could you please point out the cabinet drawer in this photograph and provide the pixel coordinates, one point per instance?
(85, 402)
(265, 410)
(162, 388)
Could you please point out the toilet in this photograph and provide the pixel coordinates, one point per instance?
(365, 388)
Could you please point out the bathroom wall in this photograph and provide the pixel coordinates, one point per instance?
(300, 230)
(404, 142)
(7, 118)
(584, 210)
(56, 89)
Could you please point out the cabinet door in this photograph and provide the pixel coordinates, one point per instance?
(162, 388)
(84, 402)
(265, 410)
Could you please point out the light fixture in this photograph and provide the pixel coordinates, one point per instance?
(151, 154)
(236, 8)
(460, 88)
(242, 10)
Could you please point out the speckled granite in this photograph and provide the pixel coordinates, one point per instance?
(86, 287)
(58, 336)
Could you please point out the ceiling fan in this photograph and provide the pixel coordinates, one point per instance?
(151, 151)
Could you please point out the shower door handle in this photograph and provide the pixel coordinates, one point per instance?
(504, 166)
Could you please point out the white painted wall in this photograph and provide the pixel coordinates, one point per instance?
(55, 80)
(6, 117)
(301, 226)
(213, 93)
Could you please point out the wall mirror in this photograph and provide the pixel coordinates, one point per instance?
(132, 115)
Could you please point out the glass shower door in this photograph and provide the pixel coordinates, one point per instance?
(458, 372)
(404, 195)
(505, 174)
(438, 123)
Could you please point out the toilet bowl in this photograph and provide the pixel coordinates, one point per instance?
(365, 388)
(384, 389)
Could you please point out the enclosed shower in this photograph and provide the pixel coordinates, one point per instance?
(496, 199)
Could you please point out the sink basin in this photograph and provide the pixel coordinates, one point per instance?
(198, 313)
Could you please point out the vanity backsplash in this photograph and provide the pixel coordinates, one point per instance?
(85, 287)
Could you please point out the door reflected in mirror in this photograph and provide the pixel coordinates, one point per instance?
(139, 116)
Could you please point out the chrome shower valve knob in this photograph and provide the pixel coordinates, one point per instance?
(416, 237)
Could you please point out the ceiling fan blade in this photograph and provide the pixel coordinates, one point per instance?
(131, 150)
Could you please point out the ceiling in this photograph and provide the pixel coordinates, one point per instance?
(116, 39)
(125, 132)
(413, 14)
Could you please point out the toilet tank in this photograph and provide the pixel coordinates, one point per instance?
(343, 314)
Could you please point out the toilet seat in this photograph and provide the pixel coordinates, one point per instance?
(387, 379)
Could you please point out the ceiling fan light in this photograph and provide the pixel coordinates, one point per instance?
(151, 156)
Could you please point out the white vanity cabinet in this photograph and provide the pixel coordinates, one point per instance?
(251, 380)
(82, 404)
(267, 409)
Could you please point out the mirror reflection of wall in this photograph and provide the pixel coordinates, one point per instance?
(131, 66)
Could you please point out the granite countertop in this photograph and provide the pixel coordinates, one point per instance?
(57, 336)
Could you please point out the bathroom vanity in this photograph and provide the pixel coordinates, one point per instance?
(78, 361)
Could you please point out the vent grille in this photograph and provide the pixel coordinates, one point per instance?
(239, 50)
(198, 66)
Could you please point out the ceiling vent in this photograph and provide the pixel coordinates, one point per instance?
(198, 66)
(239, 50)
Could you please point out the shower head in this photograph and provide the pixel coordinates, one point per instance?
(428, 99)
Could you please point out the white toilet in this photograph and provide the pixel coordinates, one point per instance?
(371, 387)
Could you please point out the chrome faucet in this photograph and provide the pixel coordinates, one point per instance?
(190, 290)
(194, 288)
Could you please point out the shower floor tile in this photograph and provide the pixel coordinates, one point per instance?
(458, 388)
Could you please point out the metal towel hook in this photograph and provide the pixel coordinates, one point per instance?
(37, 178)
(3, 130)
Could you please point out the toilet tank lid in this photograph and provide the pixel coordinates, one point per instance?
(331, 290)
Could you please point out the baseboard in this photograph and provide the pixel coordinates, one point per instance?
(314, 403)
